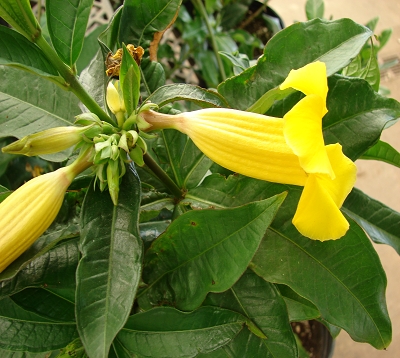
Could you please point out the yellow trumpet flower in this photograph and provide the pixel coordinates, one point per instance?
(288, 150)
(30, 210)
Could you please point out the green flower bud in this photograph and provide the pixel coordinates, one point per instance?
(136, 154)
(48, 141)
(113, 180)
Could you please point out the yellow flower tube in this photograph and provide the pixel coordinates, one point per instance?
(288, 150)
(30, 210)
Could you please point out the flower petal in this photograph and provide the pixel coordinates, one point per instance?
(318, 216)
(303, 133)
(310, 79)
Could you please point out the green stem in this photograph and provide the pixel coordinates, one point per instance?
(162, 175)
(72, 82)
(203, 12)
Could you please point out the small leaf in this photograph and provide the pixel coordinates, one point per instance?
(130, 81)
(109, 271)
(181, 91)
(153, 76)
(214, 246)
(167, 332)
(67, 22)
(380, 222)
(315, 9)
(384, 152)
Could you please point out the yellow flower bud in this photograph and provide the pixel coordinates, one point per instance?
(114, 98)
(30, 210)
(51, 140)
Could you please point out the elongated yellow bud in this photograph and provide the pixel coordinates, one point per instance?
(30, 210)
(114, 98)
(51, 140)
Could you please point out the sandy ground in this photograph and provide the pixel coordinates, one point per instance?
(373, 177)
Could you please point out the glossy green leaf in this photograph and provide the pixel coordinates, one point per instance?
(384, 152)
(334, 42)
(153, 76)
(214, 247)
(19, 14)
(45, 304)
(67, 22)
(299, 309)
(19, 354)
(347, 285)
(358, 124)
(181, 159)
(109, 37)
(167, 332)
(140, 20)
(24, 331)
(109, 271)
(265, 102)
(181, 91)
(315, 9)
(262, 303)
(52, 265)
(17, 51)
(130, 81)
(380, 222)
(25, 111)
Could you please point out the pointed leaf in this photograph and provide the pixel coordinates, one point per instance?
(22, 331)
(141, 20)
(215, 247)
(347, 285)
(153, 76)
(332, 42)
(380, 222)
(17, 51)
(109, 271)
(167, 332)
(314, 9)
(39, 106)
(181, 91)
(262, 303)
(384, 152)
(67, 22)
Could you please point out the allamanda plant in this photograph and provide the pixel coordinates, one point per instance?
(193, 237)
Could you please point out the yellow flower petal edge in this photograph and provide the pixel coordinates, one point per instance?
(318, 214)
(303, 133)
(30, 210)
(310, 79)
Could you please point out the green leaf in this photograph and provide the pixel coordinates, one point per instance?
(167, 332)
(347, 285)
(358, 124)
(215, 247)
(264, 103)
(17, 354)
(140, 20)
(109, 271)
(384, 152)
(181, 159)
(45, 304)
(299, 309)
(108, 38)
(17, 51)
(153, 76)
(19, 15)
(67, 22)
(39, 106)
(380, 222)
(315, 9)
(262, 303)
(94, 79)
(181, 91)
(130, 81)
(51, 265)
(24, 331)
(332, 42)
